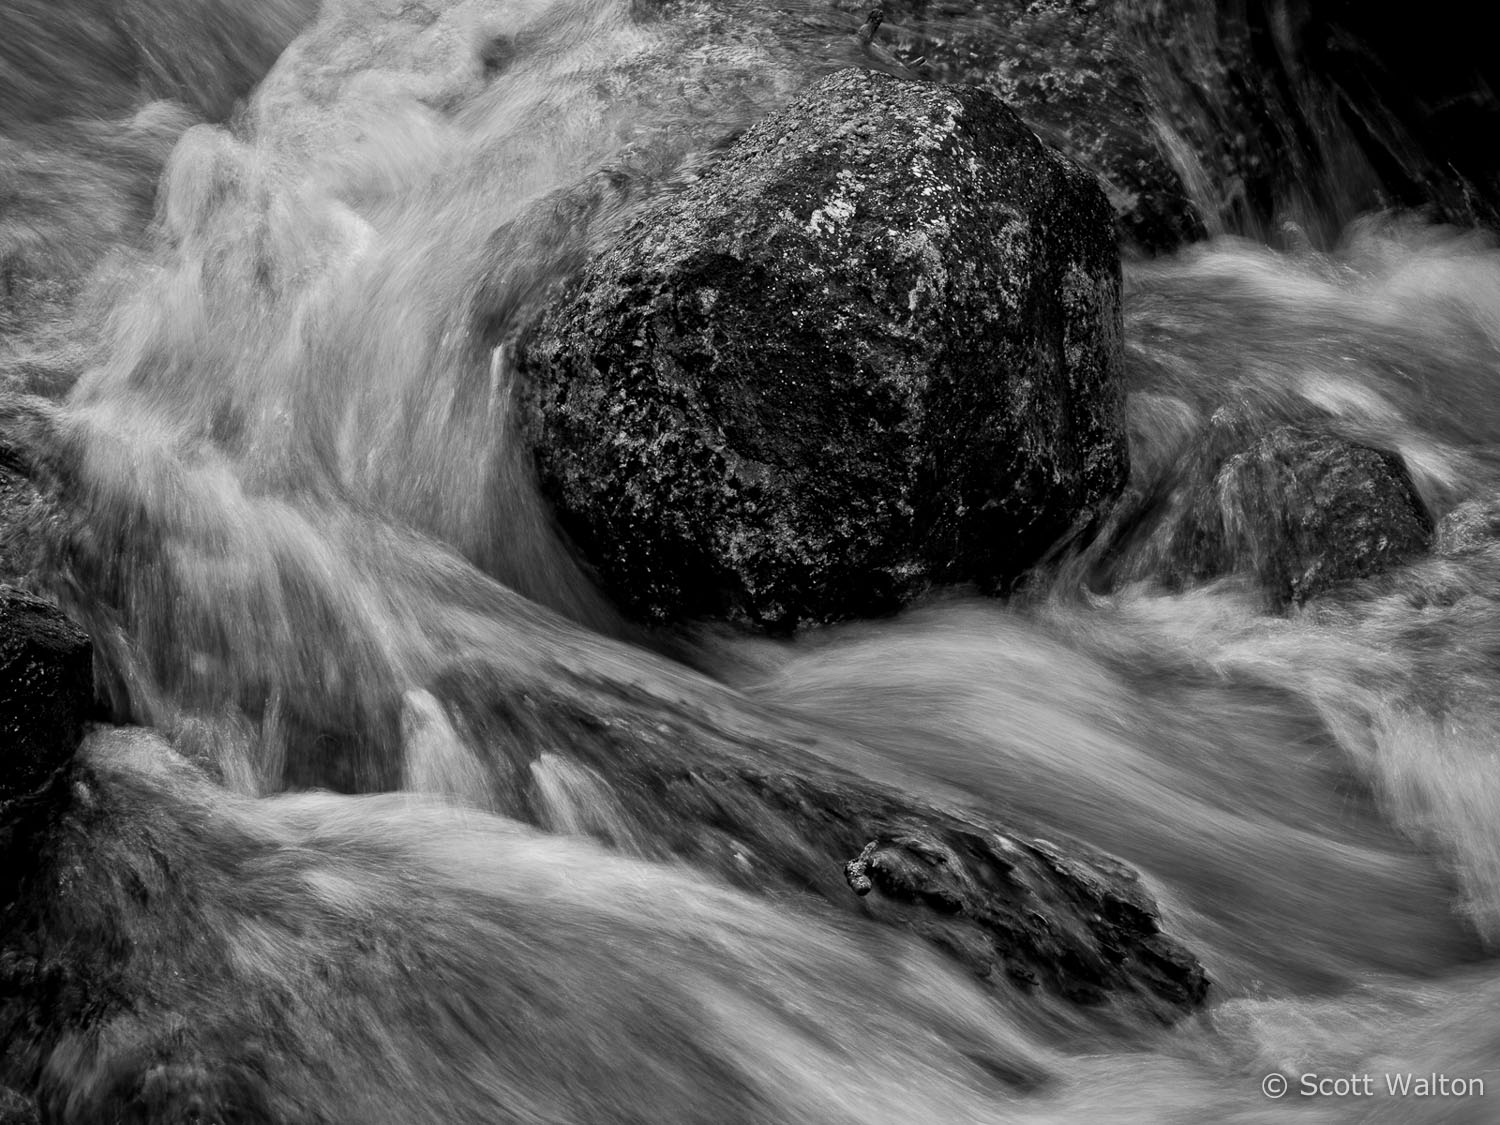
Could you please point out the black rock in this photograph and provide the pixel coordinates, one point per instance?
(875, 348)
(1296, 509)
(769, 809)
(46, 691)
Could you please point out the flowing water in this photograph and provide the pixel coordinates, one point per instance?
(293, 516)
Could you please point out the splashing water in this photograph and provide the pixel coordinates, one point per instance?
(292, 512)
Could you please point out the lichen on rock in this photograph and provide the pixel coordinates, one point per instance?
(874, 349)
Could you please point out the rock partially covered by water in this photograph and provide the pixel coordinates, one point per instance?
(1300, 510)
(773, 809)
(16, 1109)
(875, 348)
(24, 511)
(46, 690)
(1471, 526)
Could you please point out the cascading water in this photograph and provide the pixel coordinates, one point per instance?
(290, 509)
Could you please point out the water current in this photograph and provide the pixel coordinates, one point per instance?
(293, 514)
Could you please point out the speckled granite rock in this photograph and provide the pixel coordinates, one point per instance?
(1073, 70)
(875, 348)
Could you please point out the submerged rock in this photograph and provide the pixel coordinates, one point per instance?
(772, 808)
(1471, 526)
(16, 1109)
(23, 513)
(1298, 510)
(874, 349)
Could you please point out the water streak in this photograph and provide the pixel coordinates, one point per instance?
(292, 512)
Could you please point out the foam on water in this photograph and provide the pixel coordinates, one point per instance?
(292, 504)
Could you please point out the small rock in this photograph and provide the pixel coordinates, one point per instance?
(17, 1110)
(1301, 511)
(1470, 526)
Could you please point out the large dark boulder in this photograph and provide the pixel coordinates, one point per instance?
(875, 348)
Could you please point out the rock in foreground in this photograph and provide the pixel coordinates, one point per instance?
(773, 809)
(874, 349)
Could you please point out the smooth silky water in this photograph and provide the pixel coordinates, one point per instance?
(292, 505)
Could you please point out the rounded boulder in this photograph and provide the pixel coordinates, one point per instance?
(874, 349)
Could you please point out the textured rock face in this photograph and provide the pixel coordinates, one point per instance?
(46, 689)
(23, 511)
(775, 815)
(1302, 511)
(15, 1109)
(1471, 526)
(1072, 70)
(877, 347)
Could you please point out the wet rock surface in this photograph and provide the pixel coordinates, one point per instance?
(46, 691)
(17, 1110)
(1298, 510)
(1308, 511)
(1206, 118)
(23, 513)
(981, 899)
(876, 348)
(770, 811)
(1471, 526)
(1071, 71)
